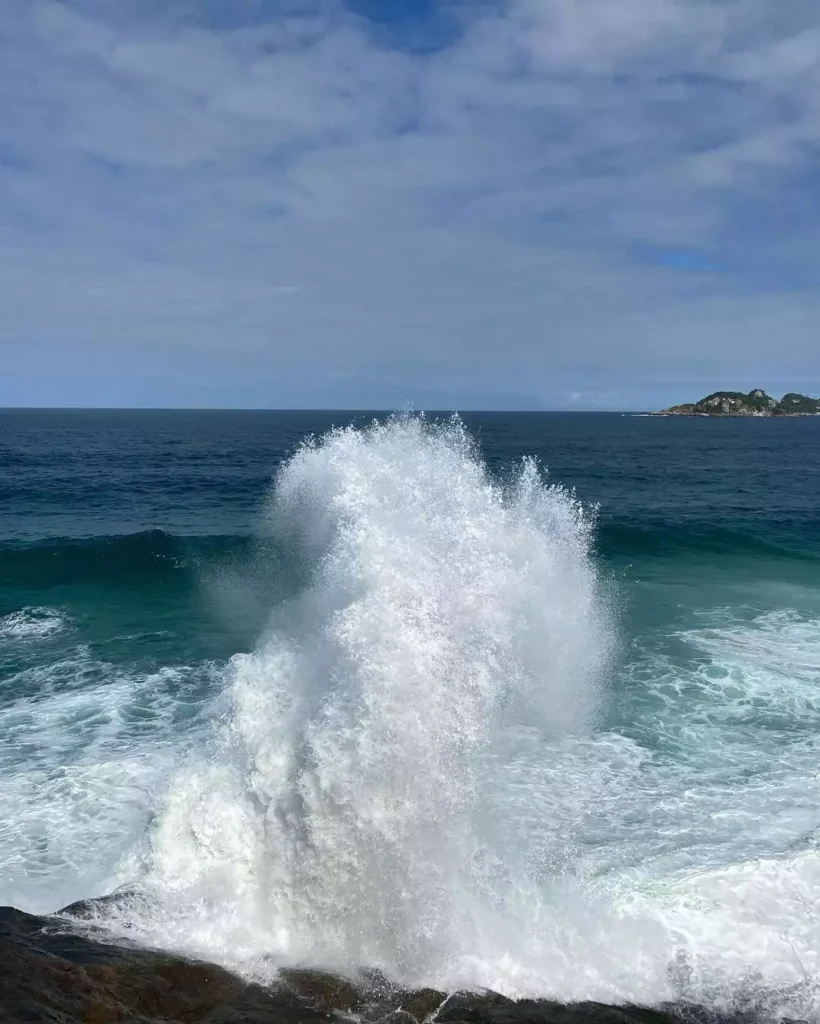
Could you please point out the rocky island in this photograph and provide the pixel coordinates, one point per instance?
(755, 403)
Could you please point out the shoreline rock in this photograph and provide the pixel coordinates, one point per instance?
(52, 975)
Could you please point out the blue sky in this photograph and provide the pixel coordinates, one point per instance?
(579, 204)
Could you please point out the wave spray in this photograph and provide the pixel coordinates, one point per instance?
(342, 815)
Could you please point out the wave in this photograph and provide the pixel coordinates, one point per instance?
(156, 555)
(148, 555)
(87, 748)
(674, 539)
(31, 624)
(431, 764)
(338, 816)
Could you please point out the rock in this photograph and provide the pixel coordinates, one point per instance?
(491, 1008)
(680, 410)
(47, 975)
(423, 1004)
(370, 994)
(798, 405)
(321, 990)
(735, 403)
(51, 975)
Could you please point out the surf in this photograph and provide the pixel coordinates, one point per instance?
(439, 762)
(339, 818)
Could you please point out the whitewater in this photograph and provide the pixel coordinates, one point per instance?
(444, 758)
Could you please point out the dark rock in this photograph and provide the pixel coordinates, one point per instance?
(321, 990)
(50, 974)
(423, 1003)
(370, 995)
(491, 1008)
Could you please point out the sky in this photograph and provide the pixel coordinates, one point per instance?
(558, 204)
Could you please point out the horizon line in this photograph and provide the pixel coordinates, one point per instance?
(306, 408)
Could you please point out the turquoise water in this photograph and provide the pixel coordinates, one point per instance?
(395, 699)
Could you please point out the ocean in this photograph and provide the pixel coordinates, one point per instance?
(523, 701)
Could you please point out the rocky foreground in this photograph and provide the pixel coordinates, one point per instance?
(755, 403)
(49, 976)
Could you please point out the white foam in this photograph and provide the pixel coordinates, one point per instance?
(338, 822)
(31, 624)
(86, 751)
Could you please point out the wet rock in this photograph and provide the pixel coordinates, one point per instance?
(52, 975)
(423, 1003)
(321, 990)
(48, 975)
(491, 1008)
(370, 996)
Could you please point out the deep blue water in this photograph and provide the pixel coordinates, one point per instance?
(142, 553)
(83, 473)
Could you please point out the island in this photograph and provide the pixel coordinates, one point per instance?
(755, 403)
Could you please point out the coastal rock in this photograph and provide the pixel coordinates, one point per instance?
(799, 405)
(755, 403)
(491, 1008)
(51, 975)
(687, 409)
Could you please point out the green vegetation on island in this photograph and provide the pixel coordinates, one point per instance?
(755, 403)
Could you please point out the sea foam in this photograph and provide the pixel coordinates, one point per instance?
(31, 624)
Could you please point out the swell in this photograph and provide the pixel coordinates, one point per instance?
(783, 543)
(148, 555)
(156, 555)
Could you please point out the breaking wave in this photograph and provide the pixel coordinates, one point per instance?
(341, 818)
(420, 769)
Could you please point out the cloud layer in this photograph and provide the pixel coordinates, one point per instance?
(534, 202)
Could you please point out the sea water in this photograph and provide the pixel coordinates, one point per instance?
(517, 701)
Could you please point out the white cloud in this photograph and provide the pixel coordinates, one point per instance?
(297, 192)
